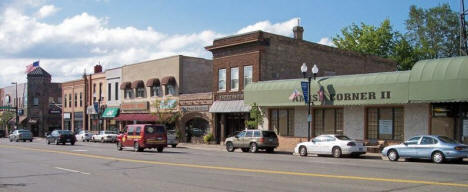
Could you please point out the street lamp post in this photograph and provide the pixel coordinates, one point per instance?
(16, 104)
(309, 78)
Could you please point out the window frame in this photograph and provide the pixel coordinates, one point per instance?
(222, 71)
(394, 122)
(232, 80)
(290, 125)
(245, 83)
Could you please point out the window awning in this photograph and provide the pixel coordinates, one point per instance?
(126, 85)
(21, 119)
(439, 80)
(137, 117)
(153, 82)
(168, 80)
(138, 83)
(110, 112)
(236, 106)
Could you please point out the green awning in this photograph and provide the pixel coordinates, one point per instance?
(439, 80)
(361, 89)
(110, 112)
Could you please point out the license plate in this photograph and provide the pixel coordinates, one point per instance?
(270, 140)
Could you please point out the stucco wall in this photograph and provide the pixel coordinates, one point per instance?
(114, 76)
(416, 120)
(196, 74)
(353, 121)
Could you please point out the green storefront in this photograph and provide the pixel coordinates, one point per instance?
(429, 99)
(108, 115)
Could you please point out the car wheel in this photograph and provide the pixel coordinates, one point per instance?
(102, 140)
(438, 157)
(17, 140)
(30, 140)
(174, 145)
(230, 147)
(393, 155)
(119, 146)
(72, 143)
(303, 151)
(48, 142)
(160, 149)
(253, 147)
(245, 149)
(136, 147)
(336, 152)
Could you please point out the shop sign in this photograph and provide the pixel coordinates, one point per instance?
(78, 115)
(167, 104)
(136, 106)
(55, 111)
(230, 97)
(385, 127)
(66, 115)
(195, 108)
(349, 96)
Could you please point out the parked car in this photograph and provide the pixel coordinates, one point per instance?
(436, 148)
(21, 135)
(61, 137)
(336, 145)
(84, 136)
(105, 136)
(252, 140)
(143, 136)
(172, 138)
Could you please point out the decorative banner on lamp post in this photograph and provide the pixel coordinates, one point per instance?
(305, 90)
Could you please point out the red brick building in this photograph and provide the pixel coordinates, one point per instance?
(260, 56)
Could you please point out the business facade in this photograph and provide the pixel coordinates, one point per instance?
(260, 56)
(113, 97)
(74, 105)
(390, 106)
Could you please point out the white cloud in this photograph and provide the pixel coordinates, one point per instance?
(78, 42)
(326, 41)
(284, 28)
(46, 10)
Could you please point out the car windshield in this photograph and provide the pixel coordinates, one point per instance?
(268, 134)
(342, 137)
(447, 140)
(24, 131)
(109, 132)
(65, 132)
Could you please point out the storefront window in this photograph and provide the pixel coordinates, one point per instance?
(170, 89)
(282, 121)
(235, 79)
(247, 75)
(328, 121)
(140, 91)
(222, 80)
(385, 123)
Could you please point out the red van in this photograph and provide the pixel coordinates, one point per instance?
(142, 136)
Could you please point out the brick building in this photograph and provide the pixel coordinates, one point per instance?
(43, 102)
(260, 56)
(74, 105)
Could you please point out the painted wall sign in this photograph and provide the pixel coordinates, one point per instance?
(350, 96)
(230, 97)
(201, 108)
(136, 106)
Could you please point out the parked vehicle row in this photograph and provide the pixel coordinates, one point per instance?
(21, 135)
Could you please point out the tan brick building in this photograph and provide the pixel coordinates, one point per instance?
(73, 99)
(260, 56)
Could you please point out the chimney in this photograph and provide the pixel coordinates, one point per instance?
(97, 69)
(298, 31)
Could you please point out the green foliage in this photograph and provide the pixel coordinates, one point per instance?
(432, 33)
(5, 117)
(256, 117)
(208, 137)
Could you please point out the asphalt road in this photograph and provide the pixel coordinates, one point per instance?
(100, 167)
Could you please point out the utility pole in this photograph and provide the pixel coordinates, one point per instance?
(16, 104)
(463, 38)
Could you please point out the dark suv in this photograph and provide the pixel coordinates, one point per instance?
(61, 137)
(253, 140)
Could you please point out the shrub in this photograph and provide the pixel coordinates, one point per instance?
(208, 137)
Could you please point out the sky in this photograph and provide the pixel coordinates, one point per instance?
(69, 37)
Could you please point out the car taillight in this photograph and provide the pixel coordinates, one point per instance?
(351, 144)
(261, 139)
(458, 148)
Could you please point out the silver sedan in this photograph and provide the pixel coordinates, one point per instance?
(436, 148)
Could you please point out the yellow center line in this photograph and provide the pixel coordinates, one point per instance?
(245, 169)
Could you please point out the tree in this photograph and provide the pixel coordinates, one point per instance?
(433, 33)
(5, 117)
(367, 39)
(256, 117)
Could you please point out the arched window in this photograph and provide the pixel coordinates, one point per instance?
(170, 84)
(139, 87)
(155, 86)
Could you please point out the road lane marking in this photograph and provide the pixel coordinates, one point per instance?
(80, 150)
(408, 181)
(71, 170)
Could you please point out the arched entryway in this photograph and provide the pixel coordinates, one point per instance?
(195, 126)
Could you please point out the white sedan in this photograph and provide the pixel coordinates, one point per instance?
(84, 136)
(105, 136)
(336, 145)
